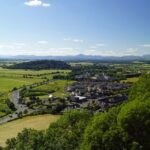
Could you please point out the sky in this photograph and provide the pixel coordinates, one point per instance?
(72, 27)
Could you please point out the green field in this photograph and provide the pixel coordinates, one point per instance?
(11, 129)
(16, 78)
(11, 78)
(56, 88)
(132, 80)
(13, 73)
(8, 83)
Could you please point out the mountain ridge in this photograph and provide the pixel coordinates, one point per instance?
(80, 57)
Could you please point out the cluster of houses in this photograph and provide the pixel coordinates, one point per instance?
(95, 92)
(101, 94)
(95, 77)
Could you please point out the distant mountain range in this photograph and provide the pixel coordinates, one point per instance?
(80, 57)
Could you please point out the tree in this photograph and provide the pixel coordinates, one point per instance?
(10, 104)
(134, 118)
(115, 139)
(20, 114)
(97, 128)
(67, 132)
(28, 139)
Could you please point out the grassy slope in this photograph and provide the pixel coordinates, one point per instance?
(11, 129)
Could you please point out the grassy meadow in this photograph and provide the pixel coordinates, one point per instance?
(11, 129)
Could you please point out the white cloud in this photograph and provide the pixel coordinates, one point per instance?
(46, 5)
(19, 44)
(127, 52)
(42, 42)
(67, 39)
(93, 47)
(18, 48)
(36, 50)
(74, 40)
(6, 46)
(145, 45)
(100, 53)
(64, 51)
(131, 51)
(37, 3)
(55, 51)
(100, 45)
(78, 41)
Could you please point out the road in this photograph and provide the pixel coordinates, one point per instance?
(20, 107)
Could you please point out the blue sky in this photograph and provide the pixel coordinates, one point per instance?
(71, 27)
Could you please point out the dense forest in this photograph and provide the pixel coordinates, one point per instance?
(124, 127)
(41, 65)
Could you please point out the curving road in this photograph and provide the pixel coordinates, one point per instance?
(20, 107)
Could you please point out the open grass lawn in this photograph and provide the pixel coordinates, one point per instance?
(11, 129)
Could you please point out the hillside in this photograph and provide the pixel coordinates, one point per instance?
(41, 65)
(117, 129)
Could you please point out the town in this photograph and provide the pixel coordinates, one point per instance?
(98, 96)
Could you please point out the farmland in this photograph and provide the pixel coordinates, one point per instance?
(17, 78)
(11, 129)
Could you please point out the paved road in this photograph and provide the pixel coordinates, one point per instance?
(20, 108)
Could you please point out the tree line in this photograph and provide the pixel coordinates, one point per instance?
(40, 65)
